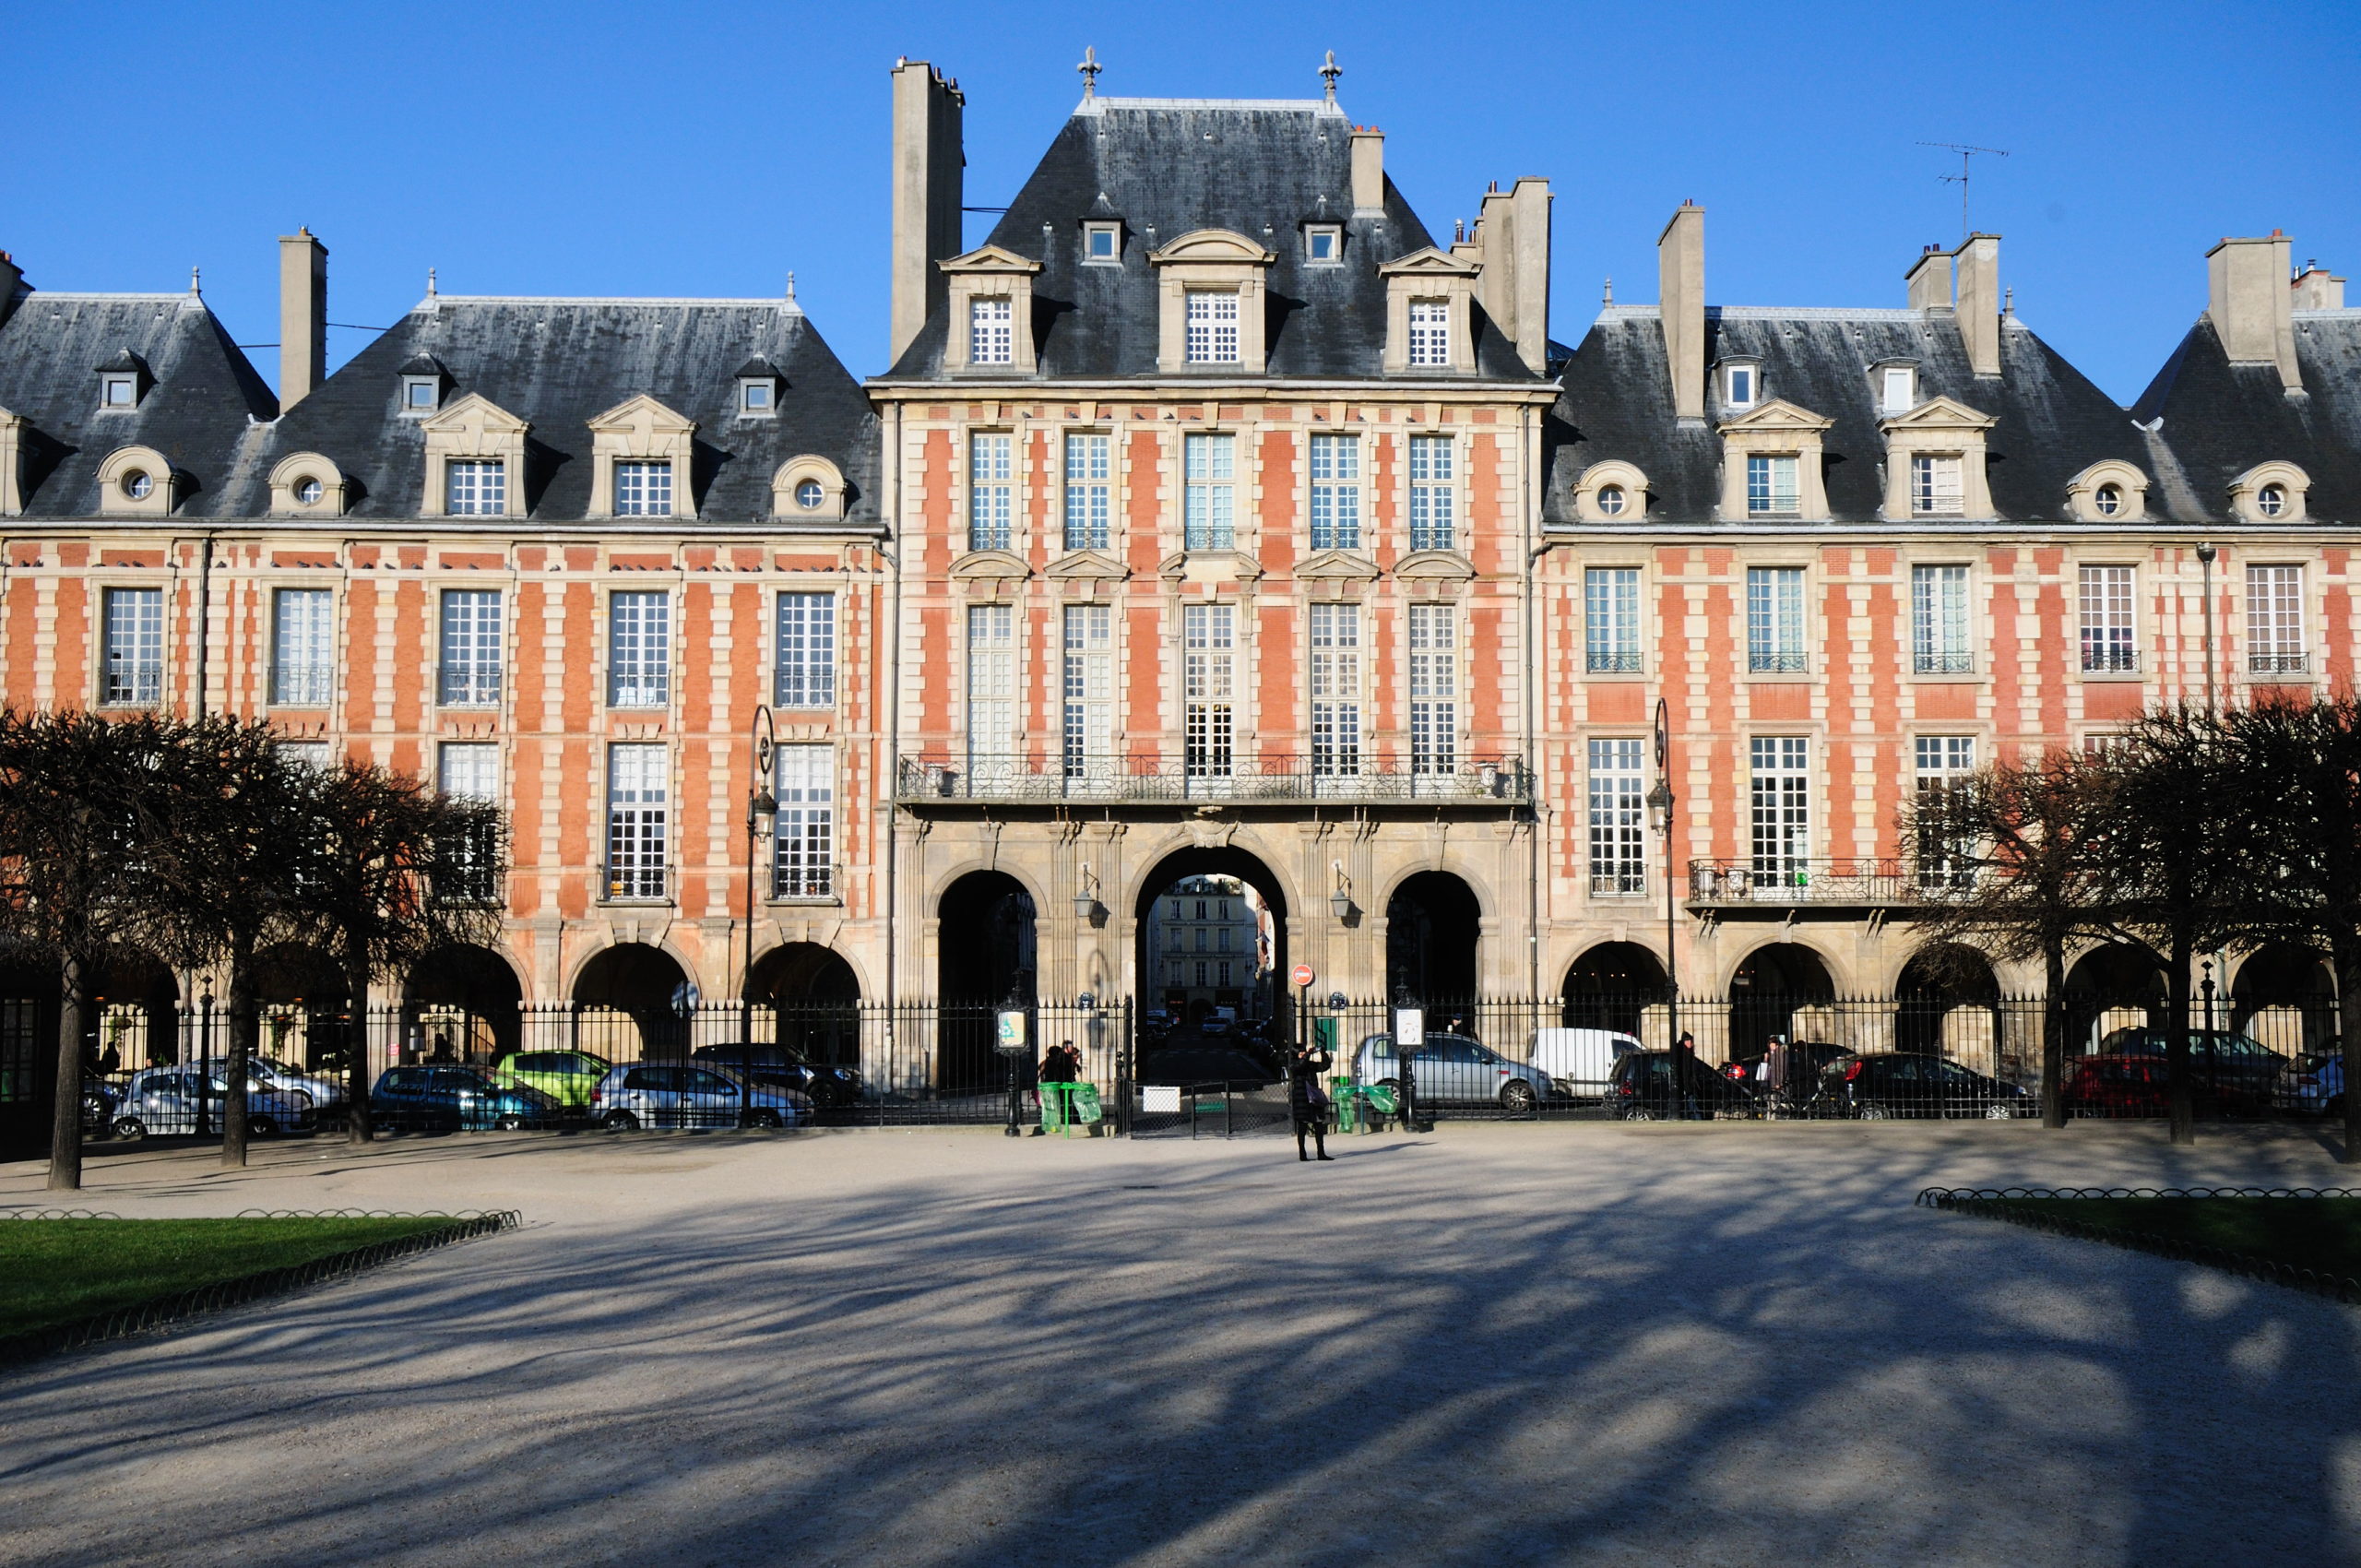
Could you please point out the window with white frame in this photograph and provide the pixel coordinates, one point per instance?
(1618, 811)
(1324, 245)
(1771, 487)
(1939, 625)
(1898, 389)
(468, 863)
(1089, 497)
(1209, 498)
(1336, 492)
(1208, 688)
(1774, 620)
(118, 391)
(1943, 763)
(1741, 386)
(992, 330)
(1434, 494)
(1430, 332)
(2108, 646)
(991, 492)
(1211, 323)
(1779, 798)
(1102, 242)
(468, 770)
(476, 489)
(318, 756)
(1089, 681)
(1434, 690)
(1611, 619)
(1336, 690)
(991, 690)
(302, 651)
(803, 856)
(638, 820)
(639, 649)
(469, 667)
(2276, 621)
(1938, 485)
(644, 490)
(803, 661)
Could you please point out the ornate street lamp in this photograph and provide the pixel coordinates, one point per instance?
(1661, 801)
(762, 826)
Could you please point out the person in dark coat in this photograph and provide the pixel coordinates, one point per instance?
(1306, 1099)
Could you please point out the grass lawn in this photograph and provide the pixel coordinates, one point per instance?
(2323, 1234)
(54, 1271)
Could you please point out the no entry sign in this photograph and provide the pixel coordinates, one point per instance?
(1302, 974)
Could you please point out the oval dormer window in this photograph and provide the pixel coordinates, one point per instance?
(1610, 499)
(2271, 500)
(809, 495)
(309, 490)
(2108, 500)
(137, 485)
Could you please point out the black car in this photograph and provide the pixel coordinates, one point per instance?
(1639, 1089)
(2234, 1069)
(1807, 1059)
(785, 1067)
(1880, 1086)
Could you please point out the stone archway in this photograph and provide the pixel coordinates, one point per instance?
(134, 1016)
(986, 960)
(306, 1006)
(1770, 988)
(627, 1001)
(814, 999)
(469, 994)
(2283, 996)
(1432, 924)
(1947, 1001)
(1255, 989)
(1610, 985)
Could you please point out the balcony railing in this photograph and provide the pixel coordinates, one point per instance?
(632, 882)
(1149, 779)
(1781, 880)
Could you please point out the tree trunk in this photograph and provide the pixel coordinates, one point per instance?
(2054, 1025)
(356, 1050)
(2346, 946)
(244, 1027)
(66, 1123)
(2177, 1084)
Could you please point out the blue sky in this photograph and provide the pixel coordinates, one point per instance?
(706, 149)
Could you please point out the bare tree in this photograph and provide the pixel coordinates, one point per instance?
(2012, 849)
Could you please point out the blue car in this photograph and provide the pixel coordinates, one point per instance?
(672, 1094)
(456, 1100)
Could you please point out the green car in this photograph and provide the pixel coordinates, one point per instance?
(566, 1076)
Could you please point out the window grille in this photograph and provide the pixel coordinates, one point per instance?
(1611, 619)
(2276, 621)
(471, 652)
(1336, 690)
(803, 856)
(991, 492)
(639, 649)
(992, 689)
(1212, 327)
(2107, 619)
(1209, 685)
(1434, 689)
(1430, 332)
(1774, 620)
(805, 659)
(1938, 486)
(302, 664)
(1618, 808)
(1943, 860)
(1088, 492)
(638, 799)
(1434, 496)
(643, 489)
(1938, 628)
(1781, 809)
(468, 770)
(1771, 489)
(1209, 469)
(1336, 492)
(475, 489)
(1089, 691)
(135, 646)
(991, 331)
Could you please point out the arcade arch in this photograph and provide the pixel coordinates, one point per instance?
(1432, 924)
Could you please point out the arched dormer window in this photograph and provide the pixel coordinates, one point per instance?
(1611, 492)
(136, 481)
(1210, 299)
(808, 489)
(2111, 491)
(2270, 493)
(306, 485)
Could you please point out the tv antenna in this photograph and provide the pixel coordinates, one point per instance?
(1966, 155)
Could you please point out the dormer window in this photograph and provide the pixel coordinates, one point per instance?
(1102, 243)
(1430, 332)
(2270, 493)
(421, 394)
(1213, 327)
(757, 390)
(119, 392)
(122, 381)
(992, 330)
(1897, 389)
(1324, 245)
(754, 397)
(1772, 487)
(2107, 500)
(1938, 486)
(1611, 500)
(1741, 385)
(2271, 500)
(643, 489)
(309, 490)
(810, 495)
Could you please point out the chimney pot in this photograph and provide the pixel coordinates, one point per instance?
(2315, 288)
(1929, 279)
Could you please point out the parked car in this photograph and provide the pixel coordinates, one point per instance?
(2322, 1087)
(566, 1076)
(1579, 1061)
(783, 1066)
(1880, 1086)
(181, 1100)
(1807, 1059)
(328, 1093)
(665, 1094)
(1639, 1089)
(98, 1107)
(2235, 1070)
(444, 1098)
(1212, 1025)
(2116, 1085)
(1454, 1070)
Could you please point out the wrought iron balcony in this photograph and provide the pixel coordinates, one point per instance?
(1148, 779)
(636, 882)
(1782, 880)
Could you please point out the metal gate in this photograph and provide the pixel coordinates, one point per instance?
(1209, 1110)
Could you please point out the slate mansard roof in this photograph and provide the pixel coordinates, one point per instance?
(1618, 403)
(1168, 167)
(2220, 419)
(200, 410)
(560, 364)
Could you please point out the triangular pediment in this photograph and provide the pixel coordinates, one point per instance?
(1434, 564)
(989, 258)
(1095, 564)
(641, 415)
(474, 411)
(1213, 245)
(1333, 564)
(1778, 414)
(990, 563)
(1429, 263)
(1940, 413)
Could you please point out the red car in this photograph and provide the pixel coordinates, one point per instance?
(2118, 1086)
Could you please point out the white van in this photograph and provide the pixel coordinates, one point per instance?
(1579, 1061)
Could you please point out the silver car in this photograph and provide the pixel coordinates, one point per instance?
(1455, 1070)
(674, 1093)
(182, 1101)
(328, 1093)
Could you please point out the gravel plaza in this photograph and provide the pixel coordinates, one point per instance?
(1718, 1343)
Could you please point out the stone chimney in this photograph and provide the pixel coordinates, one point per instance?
(2248, 298)
(1680, 294)
(1368, 172)
(1512, 244)
(2312, 289)
(930, 165)
(302, 317)
(1929, 279)
(1979, 302)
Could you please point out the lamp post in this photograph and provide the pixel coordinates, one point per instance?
(762, 823)
(1661, 801)
(2205, 554)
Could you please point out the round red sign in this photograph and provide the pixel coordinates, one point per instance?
(1303, 974)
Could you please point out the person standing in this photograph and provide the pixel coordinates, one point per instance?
(1307, 1100)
